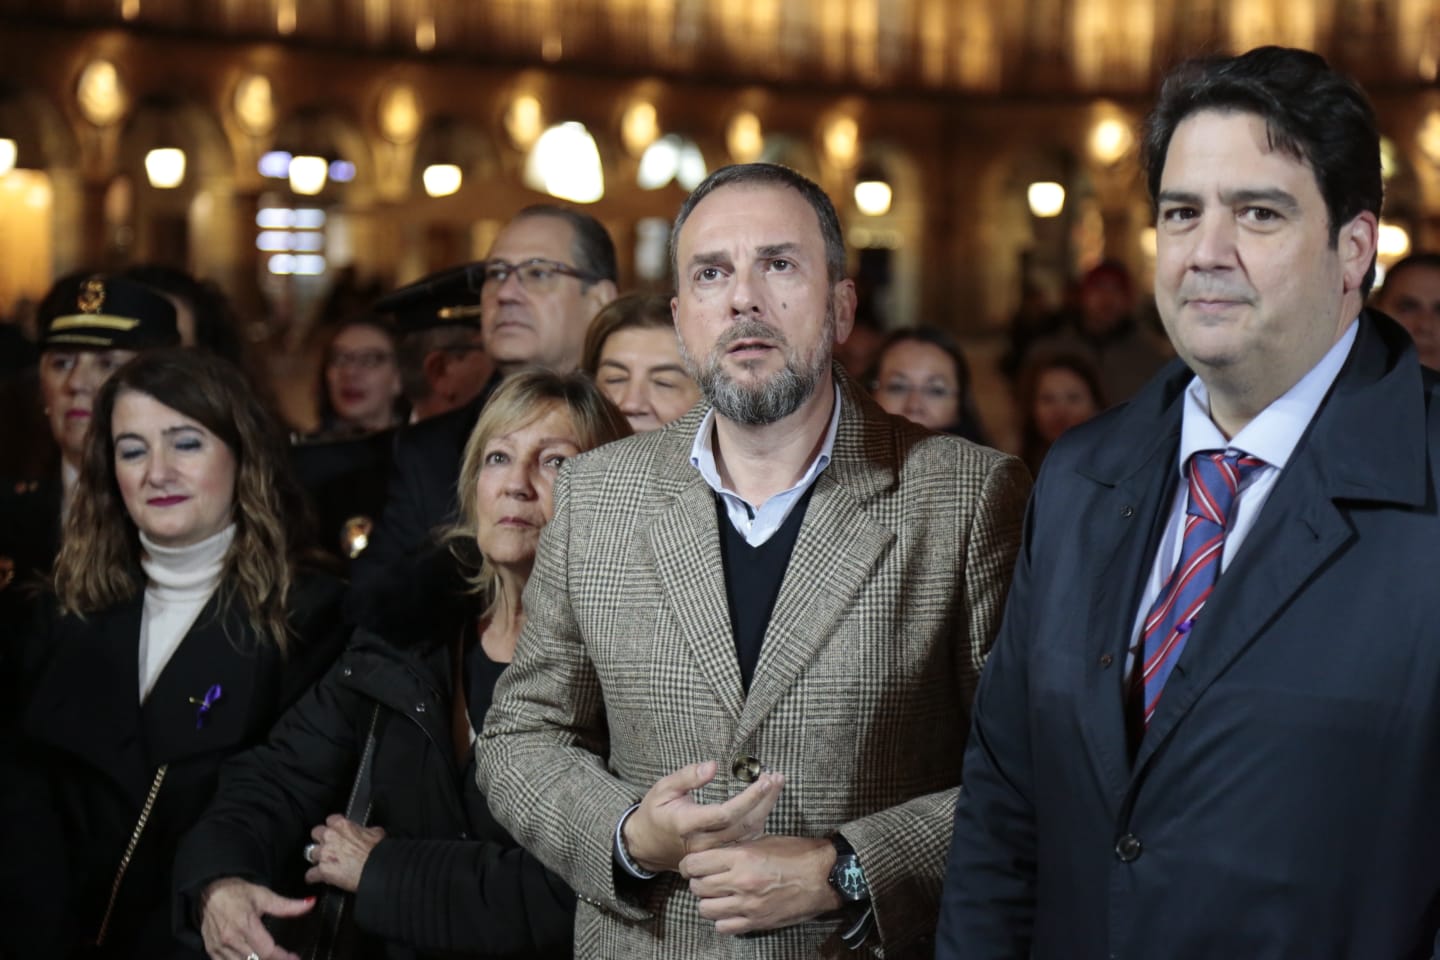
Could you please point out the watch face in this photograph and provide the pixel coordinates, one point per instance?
(849, 879)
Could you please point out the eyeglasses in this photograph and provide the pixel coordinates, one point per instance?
(362, 359)
(535, 276)
(899, 391)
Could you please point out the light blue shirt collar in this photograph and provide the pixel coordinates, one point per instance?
(758, 524)
(1274, 434)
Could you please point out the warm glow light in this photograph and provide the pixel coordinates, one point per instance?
(565, 163)
(1110, 140)
(425, 34)
(400, 113)
(442, 179)
(1429, 137)
(308, 175)
(100, 93)
(8, 152)
(129, 9)
(1147, 242)
(872, 197)
(744, 138)
(1047, 198)
(639, 127)
(842, 140)
(660, 163)
(285, 17)
(165, 166)
(524, 120)
(1389, 159)
(254, 104)
(692, 166)
(1393, 241)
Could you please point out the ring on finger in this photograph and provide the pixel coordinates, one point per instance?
(252, 955)
(309, 855)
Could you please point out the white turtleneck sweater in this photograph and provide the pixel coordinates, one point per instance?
(180, 581)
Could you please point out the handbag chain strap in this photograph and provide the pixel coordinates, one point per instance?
(130, 851)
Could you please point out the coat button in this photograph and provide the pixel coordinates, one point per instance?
(1106, 659)
(1127, 511)
(420, 707)
(464, 835)
(346, 672)
(1127, 848)
(747, 769)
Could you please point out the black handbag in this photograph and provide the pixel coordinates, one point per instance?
(330, 913)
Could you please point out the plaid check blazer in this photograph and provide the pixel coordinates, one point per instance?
(626, 671)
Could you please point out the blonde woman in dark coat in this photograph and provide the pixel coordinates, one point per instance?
(431, 873)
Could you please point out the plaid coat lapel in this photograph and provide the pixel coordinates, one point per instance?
(686, 546)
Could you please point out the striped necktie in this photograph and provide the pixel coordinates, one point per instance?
(1214, 479)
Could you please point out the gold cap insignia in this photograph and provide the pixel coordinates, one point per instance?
(92, 295)
(355, 536)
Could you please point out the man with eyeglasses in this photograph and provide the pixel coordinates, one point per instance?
(549, 271)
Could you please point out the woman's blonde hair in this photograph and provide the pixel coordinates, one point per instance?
(99, 561)
(524, 397)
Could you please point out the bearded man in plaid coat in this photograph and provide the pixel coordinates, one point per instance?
(737, 712)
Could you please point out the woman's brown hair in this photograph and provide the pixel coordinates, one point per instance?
(99, 561)
(642, 311)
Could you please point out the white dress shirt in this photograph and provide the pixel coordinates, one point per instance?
(758, 524)
(1272, 436)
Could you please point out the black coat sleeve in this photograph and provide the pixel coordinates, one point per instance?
(464, 896)
(271, 796)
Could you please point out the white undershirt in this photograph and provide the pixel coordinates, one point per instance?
(180, 581)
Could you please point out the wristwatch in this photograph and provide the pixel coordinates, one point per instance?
(847, 876)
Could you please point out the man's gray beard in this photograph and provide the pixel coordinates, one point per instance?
(763, 403)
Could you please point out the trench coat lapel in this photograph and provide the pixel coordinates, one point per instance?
(87, 702)
(1367, 443)
(1130, 512)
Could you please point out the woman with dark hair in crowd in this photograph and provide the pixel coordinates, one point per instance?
(429, 872)
(632, 352)
(921, 375)
(1057, 391)
(360, 388)
(181, 626)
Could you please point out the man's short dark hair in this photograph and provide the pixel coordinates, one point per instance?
(592, 248)
(1416, 261)
(1317, 115)
(413, 348)
(769, 175)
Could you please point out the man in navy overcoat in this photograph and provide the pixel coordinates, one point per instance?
(1227, 746)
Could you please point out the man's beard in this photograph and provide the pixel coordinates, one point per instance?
(774, 399)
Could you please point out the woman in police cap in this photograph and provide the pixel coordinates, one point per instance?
(182, 623)
(90, 325)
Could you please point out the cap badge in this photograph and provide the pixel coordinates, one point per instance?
(92, 295)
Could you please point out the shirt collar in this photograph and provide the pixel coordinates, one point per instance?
(1274, 434)
(702, 451)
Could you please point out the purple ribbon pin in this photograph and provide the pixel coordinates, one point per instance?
(203, 706)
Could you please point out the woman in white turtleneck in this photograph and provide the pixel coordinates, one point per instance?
(181, 627)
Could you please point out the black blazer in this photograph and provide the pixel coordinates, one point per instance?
(79, 769)
(447, 878)
(420, 497)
